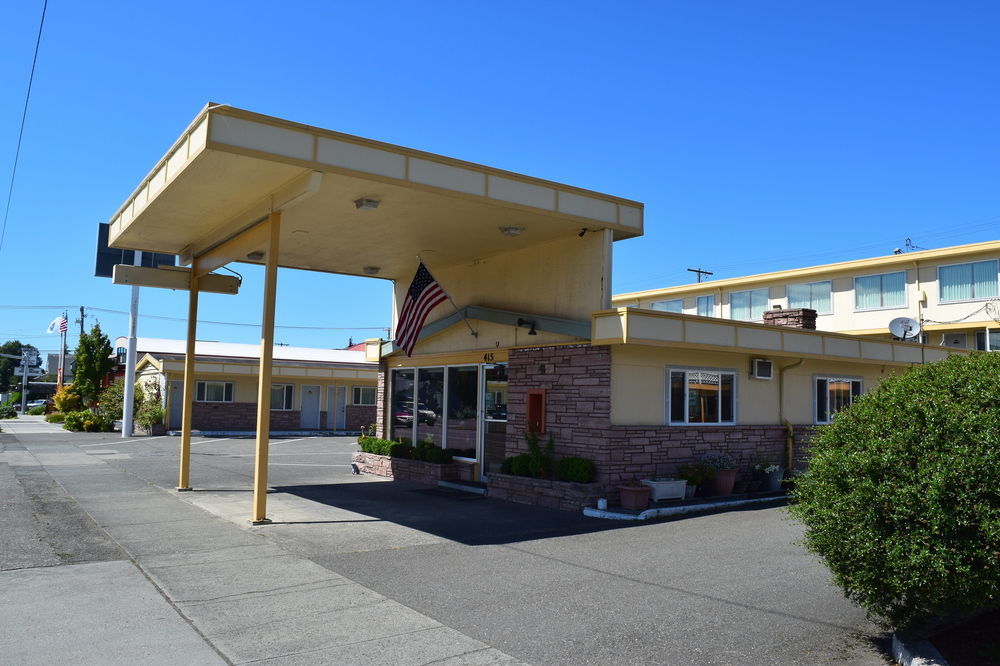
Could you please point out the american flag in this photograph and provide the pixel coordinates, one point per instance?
(423, 295)
(58, 324)
(63, 325)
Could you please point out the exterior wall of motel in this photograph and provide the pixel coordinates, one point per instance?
(563, 278)
(241, 413)
(921, 284)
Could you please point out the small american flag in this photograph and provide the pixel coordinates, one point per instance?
(63, 325)
(58, 324)
(423, 295)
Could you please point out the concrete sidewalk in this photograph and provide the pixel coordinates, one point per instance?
(195, 588)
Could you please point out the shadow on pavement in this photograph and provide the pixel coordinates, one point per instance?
(451, 514)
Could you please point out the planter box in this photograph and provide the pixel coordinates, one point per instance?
(468, 468)
(666, 488)
(562, 495)
(634, 498)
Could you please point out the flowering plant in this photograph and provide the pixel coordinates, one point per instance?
(718, 461)
(765, 468)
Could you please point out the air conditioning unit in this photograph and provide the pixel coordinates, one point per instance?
(761, 368)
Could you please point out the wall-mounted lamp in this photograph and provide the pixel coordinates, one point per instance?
(528, 322)
(511, 231)
(371, 270)
(256, 255)
(364, 203)
(583, 232)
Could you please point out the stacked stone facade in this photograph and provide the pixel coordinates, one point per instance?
(358, 416)
(794, 318)
(401, 468)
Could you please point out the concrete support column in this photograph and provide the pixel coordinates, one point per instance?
(184, 481)
(264, 387)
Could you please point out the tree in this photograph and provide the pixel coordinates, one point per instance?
(93, 362)
(900, 499)
(8, 380)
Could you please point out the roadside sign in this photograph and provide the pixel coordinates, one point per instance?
(29, 356)
(32, 372)
(108, 257)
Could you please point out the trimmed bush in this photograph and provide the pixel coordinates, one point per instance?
(7, 412)
(520, 465)
(85, 420)
(576, 470)
(374, 445)
(399, 450)
(37, 411)
(900, 499)
(55, 417)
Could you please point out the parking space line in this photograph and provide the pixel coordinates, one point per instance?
(123, 441)
(209, 441)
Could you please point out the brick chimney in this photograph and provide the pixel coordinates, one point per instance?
(797, 318)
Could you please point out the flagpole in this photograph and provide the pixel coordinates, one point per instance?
(472, 331)
(62, 352)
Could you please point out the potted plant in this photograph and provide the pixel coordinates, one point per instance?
(634, 495)
(665, 487)
(694, 474)
(769, 475)
(725, 472)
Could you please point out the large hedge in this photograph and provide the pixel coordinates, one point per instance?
(902, 495)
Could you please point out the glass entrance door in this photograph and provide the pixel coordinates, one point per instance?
(494, 401)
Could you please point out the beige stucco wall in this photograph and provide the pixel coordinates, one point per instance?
(564, 278)
(922, 297)
(490, 336)
(638, 384)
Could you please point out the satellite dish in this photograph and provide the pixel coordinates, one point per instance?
(904, 328)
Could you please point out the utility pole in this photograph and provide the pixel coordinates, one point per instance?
(80, 320)
(700, 273)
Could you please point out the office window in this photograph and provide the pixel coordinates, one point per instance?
(967, 282)
(207, 391)
(706, 305)
(363, 395)
(994, 341)
(701, 396)
(873, 292)
(813, 295)
(675, 305)
(748, 305)
(834, 394)
(281, 396)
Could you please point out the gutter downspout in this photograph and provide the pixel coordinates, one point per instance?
(789, 431)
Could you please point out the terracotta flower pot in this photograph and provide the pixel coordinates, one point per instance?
(634, 498)
(723, 482)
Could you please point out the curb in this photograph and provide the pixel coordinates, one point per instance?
(675, 510)
(911, 651)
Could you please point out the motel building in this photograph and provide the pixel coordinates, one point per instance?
(528, 338)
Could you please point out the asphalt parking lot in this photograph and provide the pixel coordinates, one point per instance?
(535, 585)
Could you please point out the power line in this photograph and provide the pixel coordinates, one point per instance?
(20, 133)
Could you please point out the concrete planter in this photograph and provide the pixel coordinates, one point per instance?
(664, 489)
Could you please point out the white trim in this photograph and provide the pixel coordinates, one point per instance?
(686, 369)
(832, 378)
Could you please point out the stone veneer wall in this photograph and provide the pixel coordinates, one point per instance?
(240, 416)
(380, 401)
(794, 318)
(577, 381)
(401, 468)
(542, 492)
(357, 417)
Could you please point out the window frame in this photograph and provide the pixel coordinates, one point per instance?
(788, 297)
(288, 397)
(201, 388)
(942, 301)
(767, 304)
(355, 394)
(664, 302)
(906, 292)
(669, 370)
(712, 308)
(828, 378)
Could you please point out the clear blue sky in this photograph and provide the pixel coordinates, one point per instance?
(760, 135)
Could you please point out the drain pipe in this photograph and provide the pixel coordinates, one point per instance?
(789, 431)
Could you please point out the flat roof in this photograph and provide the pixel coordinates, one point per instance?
(953, 252)
(230, 167)
(233, 350)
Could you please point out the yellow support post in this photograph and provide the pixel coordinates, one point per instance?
(184, 481)
(264, 376)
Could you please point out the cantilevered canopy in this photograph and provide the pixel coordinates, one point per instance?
(231, 167)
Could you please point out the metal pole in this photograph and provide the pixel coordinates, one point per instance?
(129, 406)
(264, 376)
(24, 383)
(60, 380)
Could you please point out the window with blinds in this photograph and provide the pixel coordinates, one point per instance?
(968, 282)
(877, 292)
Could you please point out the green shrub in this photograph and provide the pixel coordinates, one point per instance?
(13, 399)
(901, 499)
(505, 466)
(374, 445)
(37, 411)
(520, 465)
(577, 470)
(66, 399)
(7, 411)
(438, 456)
(55, 417)
(85, 420)
(540, 465)
(398, 450)
(149, 414)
